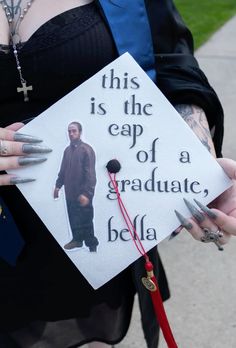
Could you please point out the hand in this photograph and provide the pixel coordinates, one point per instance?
(56, 193)
(14, 151)
(224, 206)
(84, 201)
(222, 215)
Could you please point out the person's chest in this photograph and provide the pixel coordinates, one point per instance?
(28, 15)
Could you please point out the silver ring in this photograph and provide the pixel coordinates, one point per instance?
(212, 237)
(3, 148)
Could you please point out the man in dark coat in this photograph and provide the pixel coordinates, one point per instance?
(77, 174)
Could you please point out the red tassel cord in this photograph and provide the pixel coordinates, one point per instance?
(158, 305)
(150, 282)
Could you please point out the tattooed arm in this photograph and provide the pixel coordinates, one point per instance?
(197, 121)
(224, 206)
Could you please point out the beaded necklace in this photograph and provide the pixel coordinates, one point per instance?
(10, 11)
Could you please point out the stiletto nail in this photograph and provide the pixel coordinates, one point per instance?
(28, 148)
(194, 211)
(184, 222)
(173, 235)
(206, 210)
(25, 161)
(17, 180)
(25, 138)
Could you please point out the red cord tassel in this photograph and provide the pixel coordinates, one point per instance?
(151, 284)
(150, 281)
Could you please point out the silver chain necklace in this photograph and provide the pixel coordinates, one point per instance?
(10, 11)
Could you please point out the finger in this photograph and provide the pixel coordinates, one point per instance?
(226, 222)
(202, 219)
(15, 126)
(16, 162)
(7, 179)
(190, 225)
(9, 163)
(226, 237)
(197, 231)
(229, 166)
(204, 228)
(12, 148)
(6, 134)
(9, 133)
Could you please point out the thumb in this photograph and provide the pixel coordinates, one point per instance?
(229, 166)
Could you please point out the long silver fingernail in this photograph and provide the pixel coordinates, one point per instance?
(25, 161)
(25, 138)
(28, 148)
(206, 210)
(194, 211)
(219, 246)
(184, 222)
(17, 180)
(173, 235)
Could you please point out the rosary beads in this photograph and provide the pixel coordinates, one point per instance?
(15, 39)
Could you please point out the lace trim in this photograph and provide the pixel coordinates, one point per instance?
(63, 27)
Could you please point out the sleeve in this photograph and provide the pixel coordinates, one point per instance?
(61, 174)
(179, 76)
(89, 173)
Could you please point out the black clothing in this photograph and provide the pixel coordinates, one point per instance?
(60, 55)
(63, 53)
(81, 223)
(178, 74)
(77, 172)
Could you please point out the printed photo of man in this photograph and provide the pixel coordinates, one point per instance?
(77, 174)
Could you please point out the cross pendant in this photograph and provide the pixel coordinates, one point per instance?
(25, 90)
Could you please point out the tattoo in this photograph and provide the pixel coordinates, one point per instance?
(15, 9)
(4, 48)
(184, 110)
(196, 119)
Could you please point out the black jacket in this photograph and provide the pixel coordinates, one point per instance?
(178, 74)
(77, 172)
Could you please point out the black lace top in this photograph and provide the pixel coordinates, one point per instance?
(61, 54)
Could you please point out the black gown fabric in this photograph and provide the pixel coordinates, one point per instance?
(45, 302)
